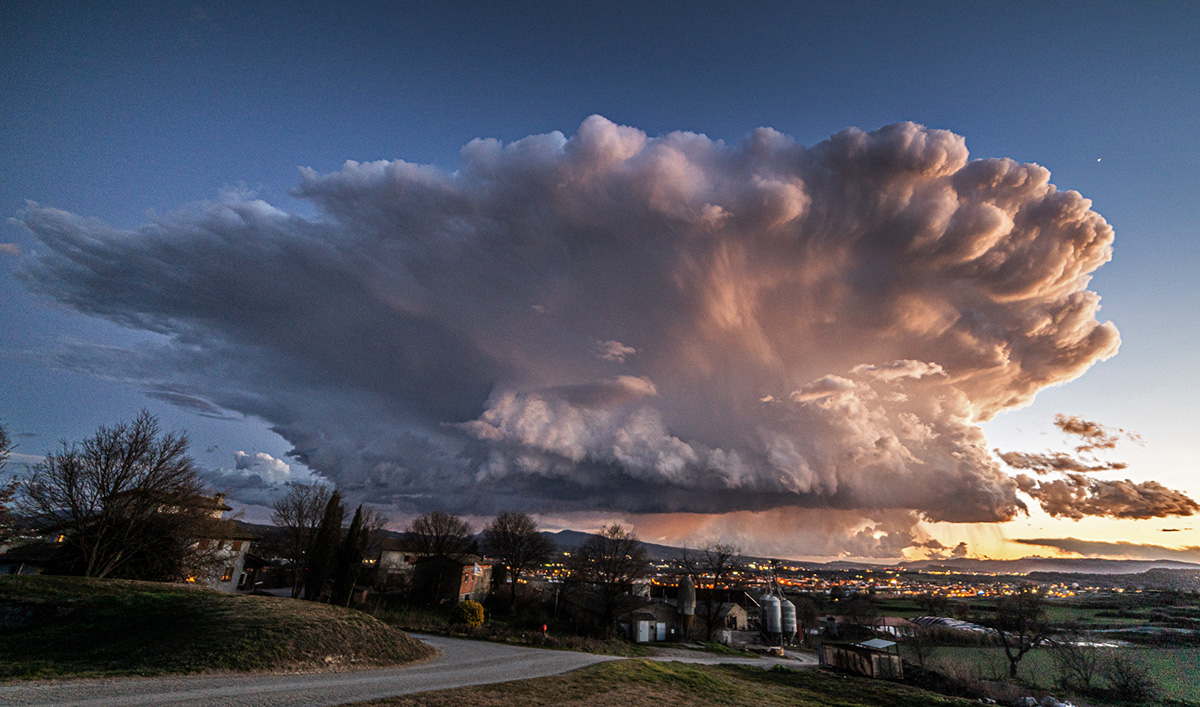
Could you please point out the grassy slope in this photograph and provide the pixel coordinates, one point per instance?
(88, 627)
(505, 629)
(638, 683)
(1174, 669)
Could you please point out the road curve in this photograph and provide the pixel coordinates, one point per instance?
(461, 663)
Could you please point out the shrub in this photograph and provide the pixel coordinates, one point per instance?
(1076, 663)
(1130, 679)
(469, 613)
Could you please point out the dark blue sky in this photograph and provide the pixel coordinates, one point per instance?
(113, 111)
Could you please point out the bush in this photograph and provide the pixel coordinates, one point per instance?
(1076, 664)
(469, 613)
(1130, 679)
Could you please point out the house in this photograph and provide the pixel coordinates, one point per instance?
(729, 615)
(225, 544)
(893, 626)
(228, 545)
(219, 544)
(449, 580)
(397, 563)
(652, 621)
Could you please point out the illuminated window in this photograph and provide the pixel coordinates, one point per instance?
(228, 574)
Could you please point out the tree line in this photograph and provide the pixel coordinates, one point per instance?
(124, 503)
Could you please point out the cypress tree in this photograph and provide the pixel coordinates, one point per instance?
(324, 549)
(349, 561)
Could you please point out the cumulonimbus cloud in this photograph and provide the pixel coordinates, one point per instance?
(610, 320)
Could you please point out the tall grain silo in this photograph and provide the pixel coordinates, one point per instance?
(787, 611)
(770, 616)
(687, 604)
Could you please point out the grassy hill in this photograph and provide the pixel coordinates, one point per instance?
(71, 626)
(639, 683)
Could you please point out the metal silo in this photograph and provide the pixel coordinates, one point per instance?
(687, 596)
(787, 611)
(771, 619)
(687, 605)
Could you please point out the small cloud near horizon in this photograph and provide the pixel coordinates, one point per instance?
(1115, 550)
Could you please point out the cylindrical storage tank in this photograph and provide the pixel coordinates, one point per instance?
(787, 612)
(771, 615)
(687, 596)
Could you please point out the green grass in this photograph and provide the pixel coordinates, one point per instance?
(71, 626)
(502, 629)
(639, 683)
(1174, 669)
(1088, 618)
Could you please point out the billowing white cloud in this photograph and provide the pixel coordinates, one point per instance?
(256, 478)
(821, 327)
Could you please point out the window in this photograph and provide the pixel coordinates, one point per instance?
(237, 545)
(228, 574)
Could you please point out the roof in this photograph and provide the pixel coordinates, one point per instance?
(878, 644)
(391, 544)
(216, 502)
(218, 529)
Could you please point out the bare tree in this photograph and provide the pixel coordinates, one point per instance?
(514, 540)
(7, 489)
(297, 515)
(711, 567)
(1020, 624)
(610, 562)
(862, 615)
(374, 524)
(933, 604)
(921, 643)
(6, 447)
(104, 495)
(438, 535)
(1077, 661)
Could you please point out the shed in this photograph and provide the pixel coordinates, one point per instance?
(872, 658)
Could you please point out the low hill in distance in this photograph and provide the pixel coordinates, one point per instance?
(73, 626)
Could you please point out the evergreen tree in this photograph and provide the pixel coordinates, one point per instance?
(325, 547)
(349, 560)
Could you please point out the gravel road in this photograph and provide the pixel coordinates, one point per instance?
(461, 663)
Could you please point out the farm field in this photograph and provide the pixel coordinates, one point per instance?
(1174, 669)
